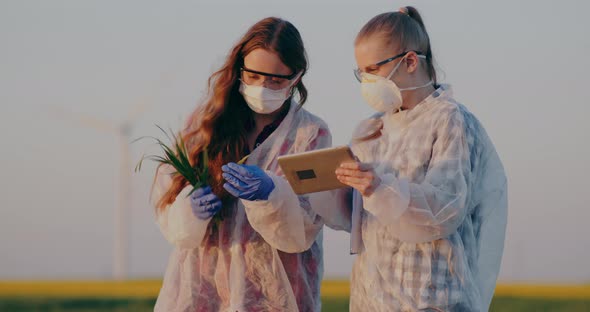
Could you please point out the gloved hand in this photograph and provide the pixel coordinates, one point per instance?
(204, 203)
(247, 182)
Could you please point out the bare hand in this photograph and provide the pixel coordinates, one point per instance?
(360, 176)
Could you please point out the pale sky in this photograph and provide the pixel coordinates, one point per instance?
(520, 66)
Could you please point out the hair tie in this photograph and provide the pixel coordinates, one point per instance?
(403, 10)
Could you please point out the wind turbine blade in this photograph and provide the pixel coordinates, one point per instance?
(84, 120)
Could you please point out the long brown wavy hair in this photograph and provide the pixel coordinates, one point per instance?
(221, 123)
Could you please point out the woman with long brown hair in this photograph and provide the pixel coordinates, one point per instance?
(266, 252)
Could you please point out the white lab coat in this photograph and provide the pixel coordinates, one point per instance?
(267, 255)
(432, 234)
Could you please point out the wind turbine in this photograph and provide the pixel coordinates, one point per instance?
(122, 130)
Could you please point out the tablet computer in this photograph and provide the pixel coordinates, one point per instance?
(314, 171)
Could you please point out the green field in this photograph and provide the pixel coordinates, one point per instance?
(139, 296)
(329, 304)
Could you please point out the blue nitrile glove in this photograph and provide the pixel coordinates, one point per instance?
(247, 182)
(204, 203)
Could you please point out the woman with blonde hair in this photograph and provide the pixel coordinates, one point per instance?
(431, 202)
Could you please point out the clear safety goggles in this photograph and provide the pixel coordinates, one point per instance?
(358, 72)
(272, 81)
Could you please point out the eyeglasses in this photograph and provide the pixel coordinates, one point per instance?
(273, 81)
(358, 72)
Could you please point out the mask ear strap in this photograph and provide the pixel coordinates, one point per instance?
(395, 68)
(292, 85)
(400, 62)
(295, 78)
(418, 87)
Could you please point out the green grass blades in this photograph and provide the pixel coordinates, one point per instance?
(177, 155)
(243, 160)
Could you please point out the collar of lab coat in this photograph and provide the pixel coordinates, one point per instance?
(273, 143)
(395, 122)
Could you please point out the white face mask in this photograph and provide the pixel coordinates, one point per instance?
(264, 100)
(381, 93)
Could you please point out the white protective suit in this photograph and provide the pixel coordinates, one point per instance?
(433, 231)
(266, 255)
